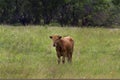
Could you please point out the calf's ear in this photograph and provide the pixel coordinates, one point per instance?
(50, 37)
(60, 37)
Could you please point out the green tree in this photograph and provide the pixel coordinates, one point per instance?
(64, 12)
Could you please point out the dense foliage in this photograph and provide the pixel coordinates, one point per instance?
(63, 12)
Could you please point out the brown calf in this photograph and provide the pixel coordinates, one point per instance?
(64, 47)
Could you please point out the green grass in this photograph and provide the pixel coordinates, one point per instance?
(27, 52)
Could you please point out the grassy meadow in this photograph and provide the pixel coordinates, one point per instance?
(27, 53)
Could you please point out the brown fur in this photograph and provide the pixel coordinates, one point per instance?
(64, 47)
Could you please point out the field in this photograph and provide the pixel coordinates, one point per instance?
(27, 53)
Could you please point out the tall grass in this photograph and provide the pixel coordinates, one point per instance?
(27, 52)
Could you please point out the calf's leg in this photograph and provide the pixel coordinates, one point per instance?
(58, 60)
(63, 59)
(69, 57)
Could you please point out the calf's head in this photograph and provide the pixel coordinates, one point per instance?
(55, 39)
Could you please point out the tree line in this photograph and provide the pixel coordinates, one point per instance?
(63, 12)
